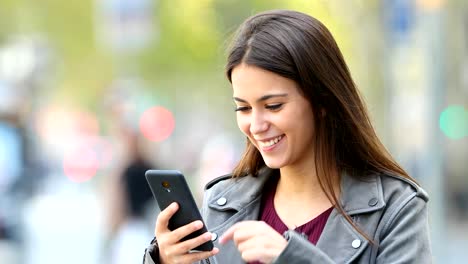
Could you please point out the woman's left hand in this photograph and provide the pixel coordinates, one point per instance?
(256, 241)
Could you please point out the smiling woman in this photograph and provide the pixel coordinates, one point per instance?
(315, 184)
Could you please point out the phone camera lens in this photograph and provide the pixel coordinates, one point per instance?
(165, 184)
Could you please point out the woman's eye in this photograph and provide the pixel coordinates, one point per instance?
(274, 106)
(242, 108)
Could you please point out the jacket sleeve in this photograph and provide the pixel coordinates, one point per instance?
(300, 250)
(151, 255)
(406, 237)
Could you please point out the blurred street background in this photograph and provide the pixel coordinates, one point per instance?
(94, 92)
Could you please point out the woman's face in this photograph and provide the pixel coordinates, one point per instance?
(274, 115)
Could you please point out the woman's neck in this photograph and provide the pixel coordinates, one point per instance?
(299, 181)
(299, 197)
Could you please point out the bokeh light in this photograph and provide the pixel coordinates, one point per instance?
(453, 122)
(157, 123)
(80, 164)
(60, 124)
(430, 4)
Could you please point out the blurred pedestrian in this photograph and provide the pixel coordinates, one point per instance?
(12, 167)
(131, 225)
(130, 202)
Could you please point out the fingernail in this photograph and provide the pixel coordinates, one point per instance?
(221, 240)
(198, 224)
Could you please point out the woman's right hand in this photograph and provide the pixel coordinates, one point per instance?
(171, 249)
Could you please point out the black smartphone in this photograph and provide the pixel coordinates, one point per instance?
(170, 186)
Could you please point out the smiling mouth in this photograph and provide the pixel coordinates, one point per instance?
(270, 143)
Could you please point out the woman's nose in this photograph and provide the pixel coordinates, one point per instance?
(258, 123)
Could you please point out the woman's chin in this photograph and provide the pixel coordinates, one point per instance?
(273, 164)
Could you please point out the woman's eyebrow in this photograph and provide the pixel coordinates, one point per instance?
(263, 98)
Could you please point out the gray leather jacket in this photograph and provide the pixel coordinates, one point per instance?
(390, 209)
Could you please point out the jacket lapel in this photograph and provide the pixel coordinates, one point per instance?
(361, 195)
(339, 240)
(237, 196)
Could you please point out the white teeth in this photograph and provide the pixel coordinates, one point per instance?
(270, 142)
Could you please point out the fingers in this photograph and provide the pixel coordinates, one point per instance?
(235, 231)
(179, 233)
(190, 244)
(252, 255)
(196, 256)
(186, 230)
(228, 235)
(262, 249)
(162, 220)
(255, 240)
(245, 245)
(171, 248)
(180, 252)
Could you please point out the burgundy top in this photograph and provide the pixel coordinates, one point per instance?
(312, 229)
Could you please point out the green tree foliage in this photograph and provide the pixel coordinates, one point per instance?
(189, 40)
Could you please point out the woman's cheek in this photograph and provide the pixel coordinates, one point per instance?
(243, 125)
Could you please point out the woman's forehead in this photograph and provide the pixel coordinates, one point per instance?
(254, 80)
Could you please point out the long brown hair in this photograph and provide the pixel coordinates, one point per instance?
(299, 47)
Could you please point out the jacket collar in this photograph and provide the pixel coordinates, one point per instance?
(358, 195)
(361, 195)
(244, 191)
